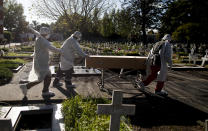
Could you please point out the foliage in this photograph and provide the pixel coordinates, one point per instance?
(14, 20)
(18, 54)
(80, 115)
(8, 36)
(189, 16)
(56, 44)
(11, 64)
(145, 13)
(187, 32)
(27, 48)
(5, 49)
(5, 75)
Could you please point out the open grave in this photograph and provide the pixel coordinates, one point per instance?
(38, 118)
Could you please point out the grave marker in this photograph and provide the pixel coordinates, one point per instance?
(205, 58)
(116, 109)
(193, 56)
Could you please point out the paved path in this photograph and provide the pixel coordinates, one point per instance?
(190, 87)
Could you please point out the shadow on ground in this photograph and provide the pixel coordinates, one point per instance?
(153, 112)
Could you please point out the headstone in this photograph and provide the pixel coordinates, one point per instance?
(192, 56)
(116, 109)
(206, 51)
(5, 124)
(205, 58)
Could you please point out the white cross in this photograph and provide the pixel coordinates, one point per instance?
(192, 51)
(116, 109)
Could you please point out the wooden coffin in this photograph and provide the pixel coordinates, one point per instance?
(116, 62)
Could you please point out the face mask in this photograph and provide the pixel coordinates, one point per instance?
(47, 37)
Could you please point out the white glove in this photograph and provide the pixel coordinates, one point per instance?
(169, 67)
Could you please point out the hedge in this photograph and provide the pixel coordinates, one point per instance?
(5, 75)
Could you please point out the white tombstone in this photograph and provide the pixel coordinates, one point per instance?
(192, 56)
(205, 58)
(206, 55)
(116, 109)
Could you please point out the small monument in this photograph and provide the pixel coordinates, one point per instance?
(116, 109)
(205, 58)
(192, 56)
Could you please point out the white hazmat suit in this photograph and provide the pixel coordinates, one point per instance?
(69, 50)
(40, 67)
(166, 58)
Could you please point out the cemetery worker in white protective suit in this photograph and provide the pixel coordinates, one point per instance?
(70, 49)
(158, 58)
(40, 68)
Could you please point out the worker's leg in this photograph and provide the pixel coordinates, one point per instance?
(158, 89)
(159, 86)
(68, 76)
(46, 83)
(59, 75)
(152, 76)
(25, 87)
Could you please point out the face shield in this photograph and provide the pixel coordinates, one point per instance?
(45, 32)
(166, 37)
(77, 35)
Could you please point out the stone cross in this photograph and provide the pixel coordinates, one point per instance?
(192, 51)
(116, 109)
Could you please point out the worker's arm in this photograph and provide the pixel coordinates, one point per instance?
(50, 46)
(168, 54)
(78, 50)
(34, 31)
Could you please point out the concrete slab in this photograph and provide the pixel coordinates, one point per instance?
(57, 117)
(80, 71)
(4, 111)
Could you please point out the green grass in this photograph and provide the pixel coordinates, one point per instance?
(56, 44)
(18, 54)
(80, 115)
(11, 64)
(5, 75)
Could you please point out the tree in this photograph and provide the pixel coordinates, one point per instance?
(14, 20)
(186, 19)
(126, 26)
(106, 25)
(77, 14)
(146, 13)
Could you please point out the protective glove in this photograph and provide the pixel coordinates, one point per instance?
(169, 67)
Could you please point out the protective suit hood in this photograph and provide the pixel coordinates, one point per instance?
(166, 37)
(45, 31)
(77, 35)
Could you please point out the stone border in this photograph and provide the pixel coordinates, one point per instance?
(18, 68)
(96, 72)
(57, 118)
